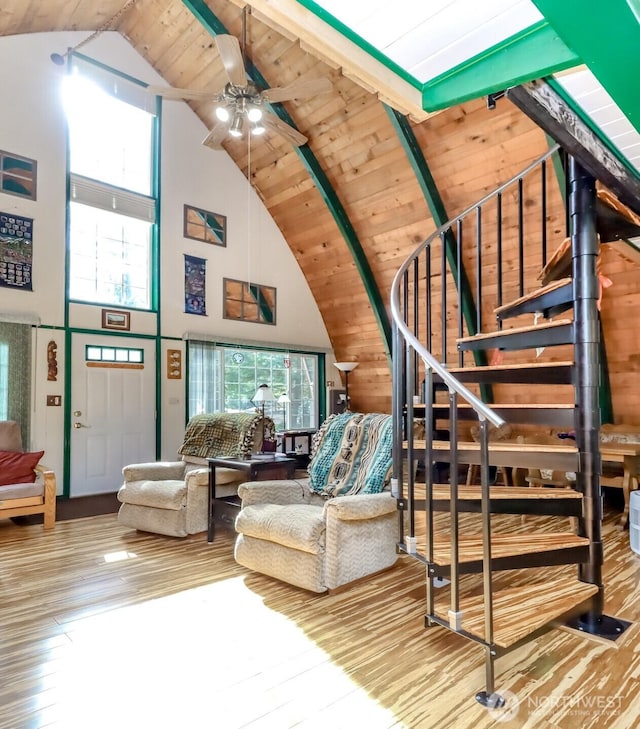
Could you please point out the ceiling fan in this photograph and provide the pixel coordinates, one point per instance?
(241, 104)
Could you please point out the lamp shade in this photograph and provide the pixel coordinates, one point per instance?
(346, 366)
(284, 399)
(264, 394)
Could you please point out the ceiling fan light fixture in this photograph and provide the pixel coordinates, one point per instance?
(222, 113)
(235, 130)
(254, 114)
(257, 129)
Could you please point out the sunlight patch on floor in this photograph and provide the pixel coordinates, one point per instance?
(213, 656)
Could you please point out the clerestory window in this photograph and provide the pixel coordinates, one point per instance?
(112, 202)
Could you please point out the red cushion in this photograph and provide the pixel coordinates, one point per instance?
(18, 467)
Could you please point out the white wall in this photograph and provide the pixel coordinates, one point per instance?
(32, 125)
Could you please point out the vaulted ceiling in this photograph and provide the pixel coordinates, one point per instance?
(406, 83)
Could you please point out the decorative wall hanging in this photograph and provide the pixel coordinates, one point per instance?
(246, 301)
(18, 175)
(114, 319)
(205, 226)
(52, 361)
(16, 251)
(174, 364)
(195, 279)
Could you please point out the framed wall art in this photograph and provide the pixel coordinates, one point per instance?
(16, 251)
(18, 175)
(245, 301)
(205, 226)
(113, 319)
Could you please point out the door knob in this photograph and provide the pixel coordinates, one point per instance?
(80, 425)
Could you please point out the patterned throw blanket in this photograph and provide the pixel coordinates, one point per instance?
(224, 434)
(352, 454)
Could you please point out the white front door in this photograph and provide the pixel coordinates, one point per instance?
(113, 410)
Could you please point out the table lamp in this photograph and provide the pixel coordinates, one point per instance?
(263, 394)
(346, 367)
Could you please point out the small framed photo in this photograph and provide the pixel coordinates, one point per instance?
(112, 319)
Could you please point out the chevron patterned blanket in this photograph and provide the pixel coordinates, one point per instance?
(224, 434)
(352, 454)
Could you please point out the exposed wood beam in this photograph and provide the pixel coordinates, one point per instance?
(212, 24)
(544, 105)
(322, 40)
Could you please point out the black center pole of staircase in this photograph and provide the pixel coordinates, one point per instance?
(582, 202)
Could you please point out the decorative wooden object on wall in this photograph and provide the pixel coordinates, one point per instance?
(52, 361)
(18, 175)
(205, 226)
(174, 364)
(112, 319)
(246, 301)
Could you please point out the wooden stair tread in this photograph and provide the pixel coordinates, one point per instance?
(521, 611)
(504, 545)
(509, 405)
(545, 326)
(498, 445)
(442, 492)
(508, 367)
(533, 295)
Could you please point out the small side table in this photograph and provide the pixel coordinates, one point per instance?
(296, 444)
(257, 469)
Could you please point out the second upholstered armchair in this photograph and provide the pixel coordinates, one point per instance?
(172, 497)
(335, 527)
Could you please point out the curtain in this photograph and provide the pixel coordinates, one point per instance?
(15, 375)
(203, 382)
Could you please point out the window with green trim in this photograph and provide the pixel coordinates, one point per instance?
(224, 378)
(130, 355)
(112, 208)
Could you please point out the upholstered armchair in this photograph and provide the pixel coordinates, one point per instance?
(171, 497)
(337, 526)
(26, 486)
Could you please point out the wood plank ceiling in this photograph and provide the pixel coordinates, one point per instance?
(469, 148)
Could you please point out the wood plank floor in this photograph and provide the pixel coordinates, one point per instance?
(103, 626)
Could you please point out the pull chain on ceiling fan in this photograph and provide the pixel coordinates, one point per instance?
(240, 104)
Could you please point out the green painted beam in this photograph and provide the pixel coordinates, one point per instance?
(439, 214)
(210, 22)
(535, 52)
(606, 35)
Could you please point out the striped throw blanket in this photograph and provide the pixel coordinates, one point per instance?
(352, 454)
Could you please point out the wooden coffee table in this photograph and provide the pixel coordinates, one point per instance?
(257, 468)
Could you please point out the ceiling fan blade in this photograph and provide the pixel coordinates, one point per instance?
(231, 57)
(277, 125)
(216, 136)
(173, 94)
(302, 89)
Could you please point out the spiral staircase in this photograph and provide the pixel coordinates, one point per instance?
(496, 327)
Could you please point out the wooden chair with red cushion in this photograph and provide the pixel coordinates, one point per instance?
(26, 487)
